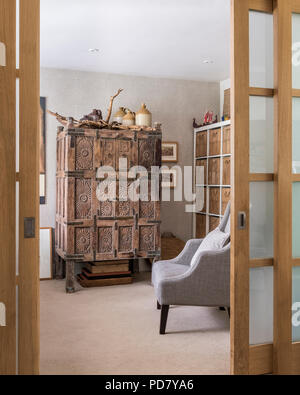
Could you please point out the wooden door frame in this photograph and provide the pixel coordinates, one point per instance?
(283, 356)
(8, 187)
(24, 309)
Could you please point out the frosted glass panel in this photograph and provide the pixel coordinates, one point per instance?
(261, 305)
(296, 304)
(296, 220)
(296, 50)
(261, 50)
(261, 219)
(17, 34)
(261, 134)
(296, 135)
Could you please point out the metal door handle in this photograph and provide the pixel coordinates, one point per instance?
(242, 220)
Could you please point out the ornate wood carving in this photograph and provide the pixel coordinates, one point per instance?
(84, 153)
(108, 153)
(83, 198)
(125, 239)
(147, 210)
(146, 153)
(82, 240)
(105, 240)
(147, 238)
(106, 209)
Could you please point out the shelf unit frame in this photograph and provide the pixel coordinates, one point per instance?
(208, 129)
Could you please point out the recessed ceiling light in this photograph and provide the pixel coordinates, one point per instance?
(208, 61)
(94, 50)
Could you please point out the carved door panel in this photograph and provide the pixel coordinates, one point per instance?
(79, 244)
(125, 239)
(77, 151)
(148, 240)
(78, 199)
(126, 148)
(108, 152)
(149, 151)
(125, 207)
(84, 152)
(104, 240)
(148, 227)
(103, 208)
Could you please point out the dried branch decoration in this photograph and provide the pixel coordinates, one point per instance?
(111, 105)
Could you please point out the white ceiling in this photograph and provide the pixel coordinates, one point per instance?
(155, 38)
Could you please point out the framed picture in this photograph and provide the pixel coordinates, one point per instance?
(169, 178)
(170, 152)
(43, 150)
(46, 254)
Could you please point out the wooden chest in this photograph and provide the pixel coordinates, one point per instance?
(88, 229)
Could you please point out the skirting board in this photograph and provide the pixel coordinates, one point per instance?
(261, 359)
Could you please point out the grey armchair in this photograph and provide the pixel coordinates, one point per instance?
(207, 283)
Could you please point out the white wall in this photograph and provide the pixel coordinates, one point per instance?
(226, 84)
(174, 103)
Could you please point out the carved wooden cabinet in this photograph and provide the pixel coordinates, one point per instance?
(91, 230)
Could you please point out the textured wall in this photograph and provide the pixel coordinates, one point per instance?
(174, 103)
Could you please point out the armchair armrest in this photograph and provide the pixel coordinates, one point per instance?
(186, 255)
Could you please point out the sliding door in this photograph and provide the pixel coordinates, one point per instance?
(266, 217)
(19, 185)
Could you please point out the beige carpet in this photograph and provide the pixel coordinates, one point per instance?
(114, 330)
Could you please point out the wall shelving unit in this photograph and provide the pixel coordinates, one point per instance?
(212, 151)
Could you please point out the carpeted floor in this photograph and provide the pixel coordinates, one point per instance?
(114, 330)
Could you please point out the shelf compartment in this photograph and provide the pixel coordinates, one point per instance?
(201, 144)
(215, 142)
(226, 171)
(200, 226)
(214, 171)
(214, 201)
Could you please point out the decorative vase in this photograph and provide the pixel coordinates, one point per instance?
(129, 119)
(144, 117)
(119, 115)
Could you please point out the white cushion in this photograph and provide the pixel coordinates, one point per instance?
(215, 240)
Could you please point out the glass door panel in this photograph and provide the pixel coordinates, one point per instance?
(296, 50)
(296, 220)
(261, 220)
(296, 305)
(296, 135)
(261, 50)
(261, 247)
(261, 134)
(261, 305)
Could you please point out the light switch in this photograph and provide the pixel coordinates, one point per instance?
(2, 314)
(2, 55)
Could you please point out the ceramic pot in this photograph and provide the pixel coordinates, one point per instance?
(119, 115)
(144, 117)
(129, 119)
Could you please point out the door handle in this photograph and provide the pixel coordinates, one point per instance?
(242, 220)
(2, 314)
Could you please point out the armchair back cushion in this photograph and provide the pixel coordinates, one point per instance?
(215, 240)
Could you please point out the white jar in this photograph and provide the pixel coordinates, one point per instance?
(129, 119)
(144, 117)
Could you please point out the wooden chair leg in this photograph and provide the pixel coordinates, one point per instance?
(158, 306)
(163, 319)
